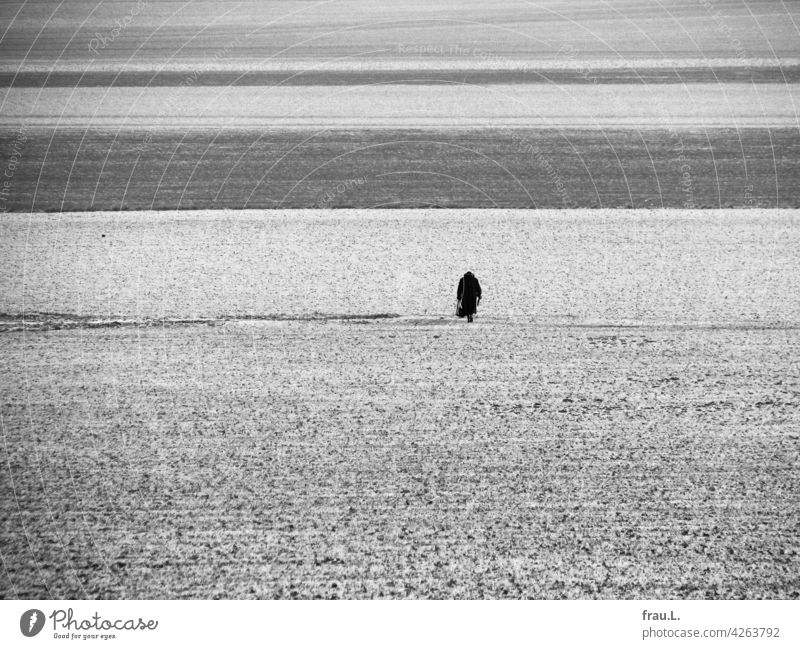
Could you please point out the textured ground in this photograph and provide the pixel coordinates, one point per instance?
(620, 421)
(401, 458)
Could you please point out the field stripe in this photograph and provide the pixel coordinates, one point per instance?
(165, 169)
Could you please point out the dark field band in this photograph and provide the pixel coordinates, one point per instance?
(73, 170)
(135, 79)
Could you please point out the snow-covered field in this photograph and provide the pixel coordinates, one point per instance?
(580, 266)
(709, 105)
(620, 421)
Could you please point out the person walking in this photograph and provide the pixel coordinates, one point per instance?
(468, 296)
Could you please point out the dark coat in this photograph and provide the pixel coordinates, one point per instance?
(469, 292)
